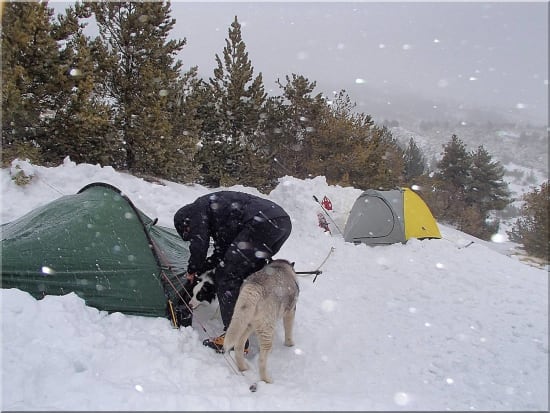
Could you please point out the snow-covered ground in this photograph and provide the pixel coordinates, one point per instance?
(428, 325)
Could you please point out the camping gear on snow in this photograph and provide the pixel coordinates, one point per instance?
(322, 222)
(326, 203)
(322, 205)
(97, 244)
(387, 217)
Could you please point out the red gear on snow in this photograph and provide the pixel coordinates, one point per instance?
(326, 203)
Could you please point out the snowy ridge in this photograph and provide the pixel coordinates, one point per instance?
(428, 325)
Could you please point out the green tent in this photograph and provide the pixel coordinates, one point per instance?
(97, 244)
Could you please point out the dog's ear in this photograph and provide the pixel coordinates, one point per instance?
(207, 276)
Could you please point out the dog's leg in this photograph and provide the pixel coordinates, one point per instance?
(288, 322)
(265, 336)
(239, 350)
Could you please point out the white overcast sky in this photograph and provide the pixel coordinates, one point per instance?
(491, 53)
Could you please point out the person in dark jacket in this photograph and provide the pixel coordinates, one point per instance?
(247, 231)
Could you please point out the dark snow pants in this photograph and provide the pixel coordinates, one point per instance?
(248, 253)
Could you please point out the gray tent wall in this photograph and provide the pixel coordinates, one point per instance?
(381, 227)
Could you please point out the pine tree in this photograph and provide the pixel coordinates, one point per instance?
(415, 164)
(186, 123)
(487, 190)
(333, 144)
(29, 64)
(274, 138)
(383, 166)
(450, 182)
(300, 115)
(81, 126)
(455, 166)
(336, 143)
(452, 179)
(233, 112)
(143, 82)
(532, 227)
(468, 186)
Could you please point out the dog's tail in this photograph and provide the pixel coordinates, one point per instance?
(243, 314)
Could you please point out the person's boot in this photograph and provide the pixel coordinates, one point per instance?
(216, 343)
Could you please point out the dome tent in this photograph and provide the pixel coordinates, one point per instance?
(97, 244)
(387, 217)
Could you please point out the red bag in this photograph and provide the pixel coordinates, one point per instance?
(326, 203)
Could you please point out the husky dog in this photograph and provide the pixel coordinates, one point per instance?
(265, 297)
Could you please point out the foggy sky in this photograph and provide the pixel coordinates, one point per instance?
(478, 53)
(491, 54)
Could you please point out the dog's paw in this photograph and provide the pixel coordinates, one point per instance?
(243, 366)
(267, 379)
(289, 342)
